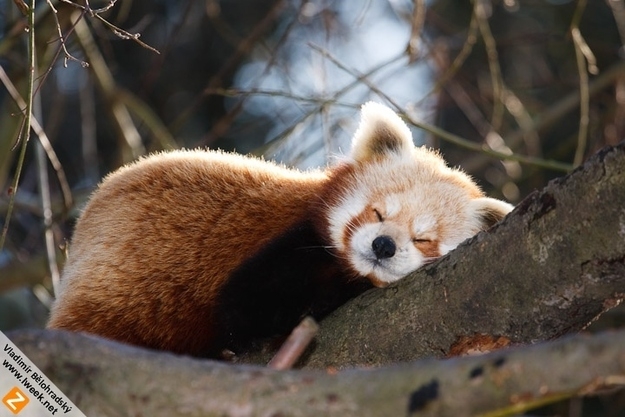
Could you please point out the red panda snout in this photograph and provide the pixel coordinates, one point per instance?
(383, 247)
(382, 251)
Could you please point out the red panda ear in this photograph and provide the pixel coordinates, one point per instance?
(490, 210)
(380, 133)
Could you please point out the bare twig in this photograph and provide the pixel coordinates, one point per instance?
(447, 136)
(243, 49)
(298, 341)
(224, 123)
(151, 120)
(493, 63)
(511, 102)
(556, 111)
(22, 6)
(418, 19)
(95, 11)
(68, 56)
(43, 139)
(584, 98)
(583, 56)
(121, 33)
(46, 208)
(464, 53)
(517, 109)
(466, 104)
(117, 31)
(319, 102)
(106, 82)
(25, 135)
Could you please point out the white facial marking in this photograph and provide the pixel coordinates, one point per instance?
(393, 205)
(444, 249)
(350, 207)
(424, 225)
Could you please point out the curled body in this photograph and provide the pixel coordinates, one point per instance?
(198, 251)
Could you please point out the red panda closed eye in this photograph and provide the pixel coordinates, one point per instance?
(197, 251)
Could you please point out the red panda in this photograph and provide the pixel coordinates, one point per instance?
(198, 251)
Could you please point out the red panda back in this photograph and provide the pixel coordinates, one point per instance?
(159, 238)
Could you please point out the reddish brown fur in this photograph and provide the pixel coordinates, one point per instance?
(171, 198)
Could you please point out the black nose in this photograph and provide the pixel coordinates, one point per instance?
(383, 247)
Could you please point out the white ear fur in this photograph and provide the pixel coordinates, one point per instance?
(379, 133)
(489, 210)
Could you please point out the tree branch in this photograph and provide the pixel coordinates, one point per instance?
(105, 378)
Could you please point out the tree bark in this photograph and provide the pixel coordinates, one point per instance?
(105, 378)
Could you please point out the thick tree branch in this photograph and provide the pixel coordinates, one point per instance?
(105, 378)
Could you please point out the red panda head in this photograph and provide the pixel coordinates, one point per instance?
(394, 206)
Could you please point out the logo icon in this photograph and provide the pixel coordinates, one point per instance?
(15, 400)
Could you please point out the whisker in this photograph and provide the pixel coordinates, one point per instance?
(429, 260)
(329, 249)
(318, 247)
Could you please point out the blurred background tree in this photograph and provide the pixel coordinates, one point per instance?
(519, 92)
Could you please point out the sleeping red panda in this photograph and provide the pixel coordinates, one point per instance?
(197, 251)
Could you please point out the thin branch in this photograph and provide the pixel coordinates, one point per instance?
(227, 33)
(586, 63)
(121, 33)
(467, 105)
(493, 63)
(295, 345)
(517, 109)
(511, 102)
(48, 71)
(117, 31)
(447, 136)
(416, 27)
(485, 149)
(464, 53)
(319, 102)
(68, 56)
(43, 139)
(584, 98)
(107, 84)
(151, 120)
(514, 106)
(556, 111)
(22, 6)
(25, 135)
(242, 51)
(102, 9)
(46, 208)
